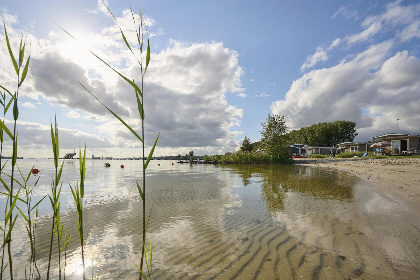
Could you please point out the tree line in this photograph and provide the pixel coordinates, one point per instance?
(276, 137)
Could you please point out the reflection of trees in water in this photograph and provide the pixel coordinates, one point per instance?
(277, 180)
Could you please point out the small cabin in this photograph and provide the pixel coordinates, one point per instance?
(321, 150)
(352, 147)
(400, 143)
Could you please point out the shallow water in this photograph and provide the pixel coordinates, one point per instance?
(234, 222)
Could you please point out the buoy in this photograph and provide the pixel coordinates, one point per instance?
(35, 171)
(107, 165)
(172, 163)
(158, 164)
(122, 166)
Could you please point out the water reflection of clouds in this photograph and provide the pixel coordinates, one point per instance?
(177, 233)
(308, 218)
(199, 210)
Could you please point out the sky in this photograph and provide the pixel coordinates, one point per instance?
(217, 69)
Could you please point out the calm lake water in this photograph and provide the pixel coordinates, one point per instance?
(232, 222)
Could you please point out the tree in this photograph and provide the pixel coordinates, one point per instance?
(274, 139)
(246, 145)
(191, 154)
(324, 134)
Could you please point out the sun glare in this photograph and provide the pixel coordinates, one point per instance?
(75, 266)
(77, 50)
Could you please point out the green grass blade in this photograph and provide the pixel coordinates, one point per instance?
(151, 255)
(115, 115)
(15, 110)
(140, 33)
(10, 50)
(9, 233)
(54, 141)
(7, 130)
(25, 71)
(82, 167)
(21, 52)
(53, 146)
(140, 191)
(74, 194)
(14, 151)
(18, 198)
(121, 75)
(8, 106)
(138, 268)
(147, 55)
(52, 202)
(59, 192)
(29, 174)
(23, 215)
(4, 184)
(6, 90)
(14, 180)
(12, 206)
(60, 171)
(134, 22)
(20, 172)
(139, 105)
(38, 203)
(126, 42)
(151, 152)
(57, 155)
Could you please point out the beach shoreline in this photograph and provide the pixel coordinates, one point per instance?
(397, 178)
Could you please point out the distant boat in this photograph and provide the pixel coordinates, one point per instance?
(69, 155)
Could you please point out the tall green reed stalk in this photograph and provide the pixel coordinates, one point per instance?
(56, 228)
(78, 194)
(30, 220)
(6, 106)
(143, 62)
(21, 75)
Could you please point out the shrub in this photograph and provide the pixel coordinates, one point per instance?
(317, 156)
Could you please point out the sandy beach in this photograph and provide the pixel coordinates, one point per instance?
(397, 178)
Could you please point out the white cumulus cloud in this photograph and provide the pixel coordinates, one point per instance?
(371, 89)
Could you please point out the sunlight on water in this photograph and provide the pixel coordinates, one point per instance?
(75, 266)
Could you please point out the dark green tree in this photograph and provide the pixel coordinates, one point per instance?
(246, 145)
(274, 139)
(324, 134)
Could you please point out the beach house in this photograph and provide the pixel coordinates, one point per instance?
(352, 147)
(400, 143)
(321, 150)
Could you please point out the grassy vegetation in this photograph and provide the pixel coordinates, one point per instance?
(17, 187)
(246, 158)
(393, 157)
(349, 154)
(318, 156)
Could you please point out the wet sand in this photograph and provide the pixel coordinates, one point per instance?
(398, 179)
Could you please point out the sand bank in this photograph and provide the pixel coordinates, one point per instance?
(397, 178)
